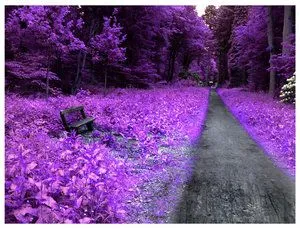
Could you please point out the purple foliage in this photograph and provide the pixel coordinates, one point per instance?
(106, 47)
(45, 27)
(52, 177)
(285, 63)
(269, 122)
(37, 35)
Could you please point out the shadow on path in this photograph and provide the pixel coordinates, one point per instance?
(233, 181)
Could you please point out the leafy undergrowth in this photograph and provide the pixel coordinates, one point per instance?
(130, 169)
(269, 122)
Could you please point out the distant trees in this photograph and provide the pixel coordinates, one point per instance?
(93, 18)
(253, 53)
(162, 41)
(196, 48)
(220, 21)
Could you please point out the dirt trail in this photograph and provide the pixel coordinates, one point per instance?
(233, 181)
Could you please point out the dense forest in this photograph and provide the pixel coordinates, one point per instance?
(125, 46)
(67, 48)
(149, 114)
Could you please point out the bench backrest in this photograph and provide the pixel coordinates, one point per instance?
(64, 113)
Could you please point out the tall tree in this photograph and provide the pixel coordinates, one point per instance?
(93, 23)
(287, 27)
(147, 29)
(106, 46)
(237, 72)
(188, 40)
(284, 60)
(271, 48)
(251, 42)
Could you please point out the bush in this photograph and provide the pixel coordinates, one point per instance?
(191, 76)
(288, 91)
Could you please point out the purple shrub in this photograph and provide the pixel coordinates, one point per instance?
(284, 63)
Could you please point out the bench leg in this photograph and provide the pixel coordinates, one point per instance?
(90, 126)
(77, 131)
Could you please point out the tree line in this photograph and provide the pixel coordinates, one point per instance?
(62, 48)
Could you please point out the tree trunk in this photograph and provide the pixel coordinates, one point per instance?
(206, 76)
(105, 81)
(271, 48)
(226, 75)
(244, 76)
(287, 27)
(222, 67)
(79, 71)
(82, 63)
(75, 86)
(187, 59)
(47, 77)
(82, 66)
(171, 66)
(176, 43)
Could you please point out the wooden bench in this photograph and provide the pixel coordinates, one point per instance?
(85, 121)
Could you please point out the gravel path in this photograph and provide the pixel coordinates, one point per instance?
(233, 181)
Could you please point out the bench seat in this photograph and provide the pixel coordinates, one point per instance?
(82, 122)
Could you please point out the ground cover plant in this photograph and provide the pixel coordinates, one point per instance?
(270, 122)
(138, 141)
